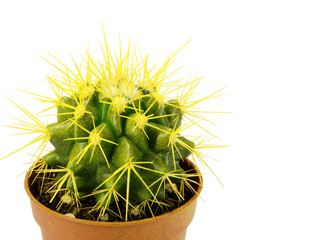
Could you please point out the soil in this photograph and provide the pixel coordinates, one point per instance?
(171, 200)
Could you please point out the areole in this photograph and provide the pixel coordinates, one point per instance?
(169, 226)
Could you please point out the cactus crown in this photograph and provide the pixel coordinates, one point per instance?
(117, 136)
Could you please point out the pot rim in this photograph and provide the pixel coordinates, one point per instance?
(99, 223)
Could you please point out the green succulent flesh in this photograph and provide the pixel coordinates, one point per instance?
(104, 147)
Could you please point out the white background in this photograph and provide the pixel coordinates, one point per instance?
(267, 54)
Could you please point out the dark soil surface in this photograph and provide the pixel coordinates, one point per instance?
(172, 202)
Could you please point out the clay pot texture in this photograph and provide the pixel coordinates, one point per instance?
(169, 226)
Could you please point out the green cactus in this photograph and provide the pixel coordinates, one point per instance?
(94, 139)
(117, 136)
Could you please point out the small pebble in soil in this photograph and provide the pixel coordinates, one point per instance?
(67, 199)
(170, 187)
(135, 211)
(104, 218)
(70, 215)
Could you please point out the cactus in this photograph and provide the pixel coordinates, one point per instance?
(117, 135)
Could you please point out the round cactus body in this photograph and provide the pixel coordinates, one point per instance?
(103, 142)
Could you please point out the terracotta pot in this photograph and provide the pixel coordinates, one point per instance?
(169, 226)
